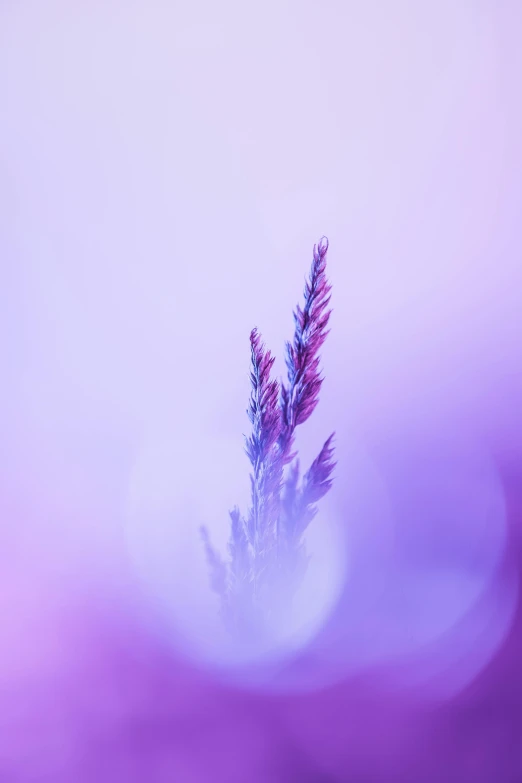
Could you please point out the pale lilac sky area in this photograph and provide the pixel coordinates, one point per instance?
(165, 169)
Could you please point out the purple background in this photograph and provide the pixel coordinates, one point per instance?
(164, 172)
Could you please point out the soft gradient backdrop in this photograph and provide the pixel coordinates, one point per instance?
(165, 169)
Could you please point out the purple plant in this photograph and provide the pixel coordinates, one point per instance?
(267, 556)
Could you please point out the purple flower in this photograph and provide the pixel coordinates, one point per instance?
(263, 450)
(299, 399)
(267, 556)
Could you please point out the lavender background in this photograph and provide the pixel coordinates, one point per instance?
(165, 171)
